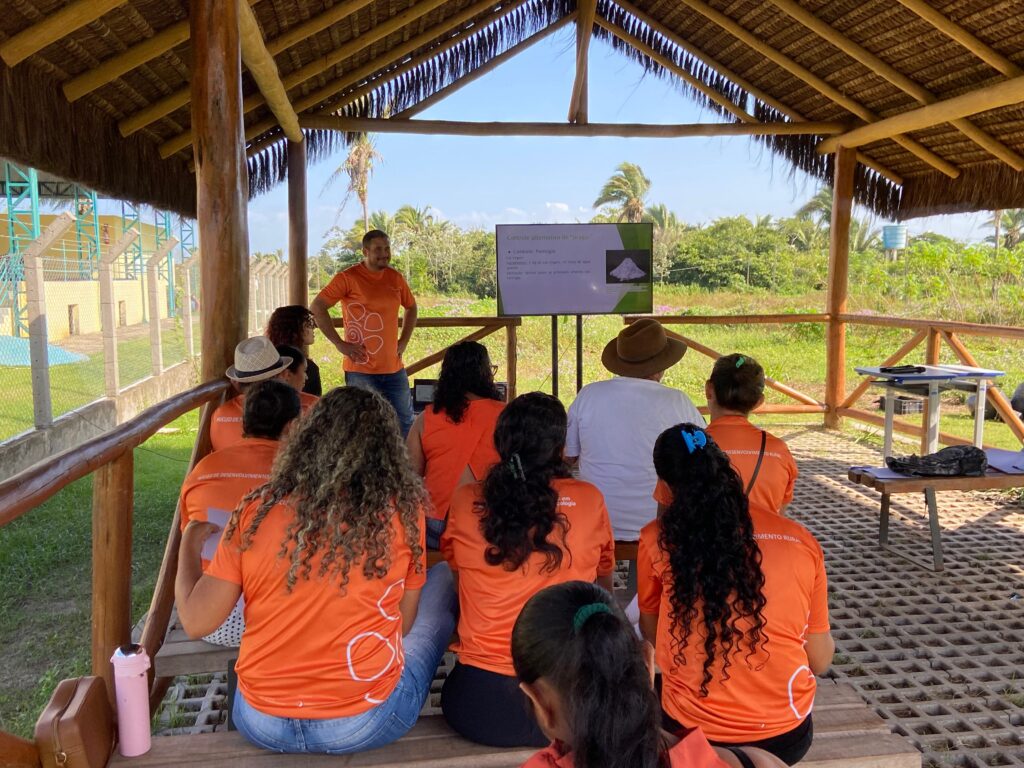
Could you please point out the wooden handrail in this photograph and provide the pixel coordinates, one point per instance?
(781, 319)
(33, 486)
(453, 322)
(975, 329)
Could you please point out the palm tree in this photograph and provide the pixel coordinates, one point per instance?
(996, 221)
(818, 208)
(863, 236)
(626, 189)
(664, 220)
(763, 222)
(358, 166)
(1010, 222)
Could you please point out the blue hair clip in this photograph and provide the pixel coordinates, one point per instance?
(694, 440)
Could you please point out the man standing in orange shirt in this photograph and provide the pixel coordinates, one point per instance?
(370, 294)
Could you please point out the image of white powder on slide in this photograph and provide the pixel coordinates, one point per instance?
(628, 266)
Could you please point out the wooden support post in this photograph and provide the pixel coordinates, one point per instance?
(108, 310)
(153, 275)
(578, 104)
(186, 311)
(221, 180)
(511, 359)
(38, 335)
(838, 273)
(298, 225)
(112, 492)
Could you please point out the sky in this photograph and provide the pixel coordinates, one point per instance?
(479, 182)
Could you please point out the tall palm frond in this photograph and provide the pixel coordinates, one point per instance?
(358, 166)
(626, 189)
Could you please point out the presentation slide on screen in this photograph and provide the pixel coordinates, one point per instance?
(574, 269)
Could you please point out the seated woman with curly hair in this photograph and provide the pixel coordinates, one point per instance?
(528, 525)
(293, 326)
(453, 439)
(735, 600)
(344, 628)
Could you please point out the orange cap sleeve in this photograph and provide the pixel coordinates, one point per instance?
(648, 583)
(662, 493)
(817, 621)
(335, 290)
(408, 300)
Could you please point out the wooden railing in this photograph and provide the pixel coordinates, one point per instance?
(932, 333)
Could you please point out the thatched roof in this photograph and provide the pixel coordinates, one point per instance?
(349, 67)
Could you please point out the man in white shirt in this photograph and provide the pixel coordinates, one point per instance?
(613, 424)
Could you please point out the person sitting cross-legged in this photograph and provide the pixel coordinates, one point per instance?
(735, 600)
(221, 479)
(344, 627)
(528, 525)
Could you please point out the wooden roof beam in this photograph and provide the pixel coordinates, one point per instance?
(69, 18)
(991, 97)
(878, 66)
(818, 84)
(298, 77)
(125, 62)
(261, 66)
(180, 98)
(624, 130)
(953, 30)
(586, 11)
(753, 90)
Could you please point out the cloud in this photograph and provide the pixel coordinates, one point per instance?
(563, 207)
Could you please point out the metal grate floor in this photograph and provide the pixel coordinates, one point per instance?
(940, 656)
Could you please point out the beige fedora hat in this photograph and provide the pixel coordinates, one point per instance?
(642, 349)
(256, 359)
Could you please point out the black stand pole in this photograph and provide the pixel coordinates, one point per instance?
(579, 352)
(554, 355)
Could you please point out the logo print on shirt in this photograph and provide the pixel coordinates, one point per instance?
(362, 327)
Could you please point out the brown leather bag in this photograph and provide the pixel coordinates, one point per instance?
(76, 730)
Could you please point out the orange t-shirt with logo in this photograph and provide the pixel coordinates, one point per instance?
(691, 751)
(221, 479)
(315, 652)
(369, 304)
(449, 448)
(226, 425)
(490, 597)
(741, 442)
(771, 692)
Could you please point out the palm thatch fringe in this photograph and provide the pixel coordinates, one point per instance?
(870, 189)
(39, 128)
(269, 167)
(986, 186)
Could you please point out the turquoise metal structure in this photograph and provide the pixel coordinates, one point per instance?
(21, 188)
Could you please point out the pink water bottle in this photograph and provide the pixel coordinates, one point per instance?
(132, 687)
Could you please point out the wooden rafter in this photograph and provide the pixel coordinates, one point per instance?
(323, 64)
(124, 62)
(991, 97)
(897, 78)
(378, 74)
(815, 82)
(749, 87)
(53, 27)
(953, 30)
(261, 66)
(579, 102)
(626, 130)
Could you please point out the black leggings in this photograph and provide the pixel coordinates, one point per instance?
(489, 708)
(789, 747)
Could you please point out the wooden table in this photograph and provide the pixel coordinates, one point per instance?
(991, 480)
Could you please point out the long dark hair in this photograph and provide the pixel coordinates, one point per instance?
(708, 536)
(520, 508)
(594, 660)
(466, 370)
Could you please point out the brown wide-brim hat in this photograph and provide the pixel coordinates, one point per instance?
(642, 349)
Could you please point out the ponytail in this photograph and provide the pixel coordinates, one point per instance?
(520, 508)
(575, 636)
(708, 538)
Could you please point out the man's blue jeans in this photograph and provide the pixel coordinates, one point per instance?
(388, 721)
(393, 387)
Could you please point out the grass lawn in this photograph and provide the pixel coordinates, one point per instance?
(45, 567)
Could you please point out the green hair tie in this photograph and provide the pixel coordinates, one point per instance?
(585, 612)
(740, 361)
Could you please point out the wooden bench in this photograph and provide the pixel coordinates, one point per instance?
(992, 480)
(180, 655)
(847, 734)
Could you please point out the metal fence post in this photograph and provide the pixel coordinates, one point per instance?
(186, 310)
(152, 270)
(108, 319)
